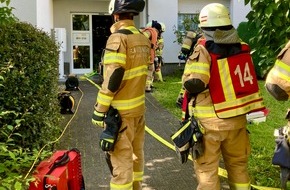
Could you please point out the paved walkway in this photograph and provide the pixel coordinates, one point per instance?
(163, 171)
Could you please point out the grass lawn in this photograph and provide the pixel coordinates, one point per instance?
(262, 172)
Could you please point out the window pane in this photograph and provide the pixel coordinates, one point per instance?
(81, 22)
(81, 57)
(187, 22)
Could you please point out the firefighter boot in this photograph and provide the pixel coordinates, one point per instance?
(159, 75)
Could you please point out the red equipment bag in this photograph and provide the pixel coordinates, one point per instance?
(62, 171)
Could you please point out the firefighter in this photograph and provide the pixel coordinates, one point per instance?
(188, 44)
(159, 52)
(153, 31)
(220, 78)
(277, 81)
(278, 85)
(126, 61)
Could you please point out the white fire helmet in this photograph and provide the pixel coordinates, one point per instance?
(214, 15)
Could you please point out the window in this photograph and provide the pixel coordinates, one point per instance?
(187, 22)
(81, 22)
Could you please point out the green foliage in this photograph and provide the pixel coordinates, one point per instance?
(272, 19)
(262, 172)
(187, 24)
(6, 15)
(246, 33)
(29, 109)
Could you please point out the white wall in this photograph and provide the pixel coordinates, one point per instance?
(45, 15)
(62, 10)
(240, 10)
(25, 11)
(165, 12)
(39, 13)
(194, 6)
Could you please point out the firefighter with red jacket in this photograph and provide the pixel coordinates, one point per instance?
(278, 81)
(126, 61)
(151, 31)
(220, 77)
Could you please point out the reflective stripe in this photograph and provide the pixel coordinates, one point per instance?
(138, 176)
(234, 111)
(114, 57)
(185, 46)
(204, 111)
(181, 130)
(281, 70)
(133, 29)
(238, 102)
(226, 81)
(104, 99)
(128, 186)
(146, 34)
(128, 104)
(240, 186)
(197, 67)
(136, 72)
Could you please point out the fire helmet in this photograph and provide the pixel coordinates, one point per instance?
(163, 27)
(126, 6)
(155, 24)
(214, 15)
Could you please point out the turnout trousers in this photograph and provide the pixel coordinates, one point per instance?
(127, 159)
(234, 146)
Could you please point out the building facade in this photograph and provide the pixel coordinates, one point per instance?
(81, 27)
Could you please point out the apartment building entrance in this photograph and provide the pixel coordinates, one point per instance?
(89, 36)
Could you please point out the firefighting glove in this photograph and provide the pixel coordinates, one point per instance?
(109, 136)
(182, 56)
(98, 118)
(197, 149)
(182, 140)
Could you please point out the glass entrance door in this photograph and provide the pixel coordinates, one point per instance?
(89, 36)
(81, 44)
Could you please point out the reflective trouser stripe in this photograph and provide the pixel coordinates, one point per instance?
(138, 176)
(240, 186)
(128, 186)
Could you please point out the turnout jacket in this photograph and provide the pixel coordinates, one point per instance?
(197, 75)
(126, 60)
(278, 79)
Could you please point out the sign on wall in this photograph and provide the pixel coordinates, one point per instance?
(81, 38)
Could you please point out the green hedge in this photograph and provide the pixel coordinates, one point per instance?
(246, 33)
(29, 109)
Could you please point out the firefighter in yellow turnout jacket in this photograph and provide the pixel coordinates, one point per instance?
(152, 31)
(126, 61)
(278, 79)
(159, 52)
(152, 34)
(223, 97)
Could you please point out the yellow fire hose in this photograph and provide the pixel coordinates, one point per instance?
(222, 172)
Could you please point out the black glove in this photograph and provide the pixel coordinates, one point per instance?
(98, 118)
(182, 140)
(197, 149)
(110, 134)
(182, 56)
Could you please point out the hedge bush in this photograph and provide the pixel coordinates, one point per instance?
(246, 33)
(29, 108)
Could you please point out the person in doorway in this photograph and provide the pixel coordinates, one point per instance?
(277, 82)
(126, 61)
(214, 76)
